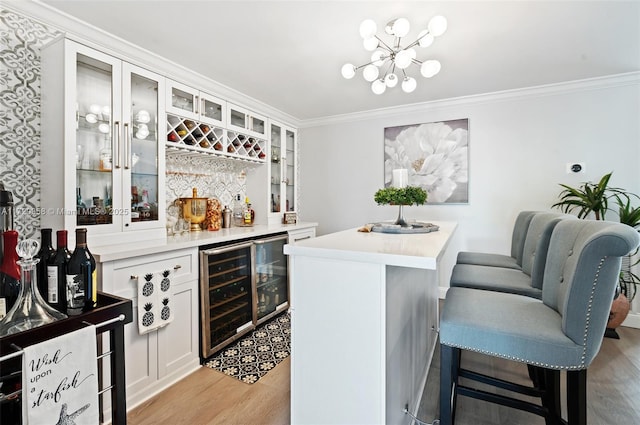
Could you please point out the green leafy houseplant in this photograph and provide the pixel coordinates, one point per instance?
(630, 216)
(588, 198)
(401, 196)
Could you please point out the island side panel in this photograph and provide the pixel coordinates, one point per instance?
(338, 341)
(411, 328)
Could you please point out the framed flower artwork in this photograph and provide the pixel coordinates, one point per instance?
(436, 156)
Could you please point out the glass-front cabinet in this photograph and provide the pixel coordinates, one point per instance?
(101, 128)
(283, 168)
(245, 121)
(195, 104)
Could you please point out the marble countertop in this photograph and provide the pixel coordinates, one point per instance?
(190, 240)
(421, 250)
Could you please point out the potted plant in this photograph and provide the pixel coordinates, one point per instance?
(401, 196)
(594, 198)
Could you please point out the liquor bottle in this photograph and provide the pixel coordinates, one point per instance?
(56, 274)
(45, 253)
(79, 276)
(248, 213)
(9, 273)
(29, 310)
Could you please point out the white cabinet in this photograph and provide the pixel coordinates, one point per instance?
(158, 358)
(283, 169)
(195, 104)
(104, 159)
(247, 122)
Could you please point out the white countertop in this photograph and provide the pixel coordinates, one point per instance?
(189, 240)
(420, 250)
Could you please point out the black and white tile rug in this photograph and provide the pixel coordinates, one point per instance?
(251, 357)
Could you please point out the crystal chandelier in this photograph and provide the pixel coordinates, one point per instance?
(389, 62)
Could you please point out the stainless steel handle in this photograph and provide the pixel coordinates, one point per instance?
(220, 250)
(195, 104)
(127, 146)
(302, 238)
(134, 277)
(116, 134)
(177, 267)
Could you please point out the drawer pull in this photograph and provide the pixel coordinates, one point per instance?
(177, 266)
(134, 277)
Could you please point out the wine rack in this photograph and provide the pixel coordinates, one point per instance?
(190, 136)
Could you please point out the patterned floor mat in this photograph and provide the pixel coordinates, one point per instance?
(251, 357)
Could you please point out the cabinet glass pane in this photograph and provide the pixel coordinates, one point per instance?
(182, 100)
(211, 109)
(143, 157)
(290, 170)
(258, 125)
(237, 118)
(276, 178)
(94, 141)
(271, 276)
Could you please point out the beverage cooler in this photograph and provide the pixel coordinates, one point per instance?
(241, 286)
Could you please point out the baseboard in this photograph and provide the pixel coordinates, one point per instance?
(632, 320)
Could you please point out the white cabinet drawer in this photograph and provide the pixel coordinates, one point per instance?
(120, 277)
(301, 234)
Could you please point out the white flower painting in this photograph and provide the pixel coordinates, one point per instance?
(436, 156)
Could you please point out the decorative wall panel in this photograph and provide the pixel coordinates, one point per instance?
(20, 42)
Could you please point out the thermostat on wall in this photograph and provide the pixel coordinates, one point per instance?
(575, 167)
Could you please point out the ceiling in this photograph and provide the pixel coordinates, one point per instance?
(288, 54)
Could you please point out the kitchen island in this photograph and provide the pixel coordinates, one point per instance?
(364, 324)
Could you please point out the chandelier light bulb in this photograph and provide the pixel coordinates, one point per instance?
(430, 68)
(368, 28)
(409, 84)
(412, 53)
(370, 44)
(391, 80)
(378, 86)
(388, 28)
(403, 59)
(401, 27)
(377, 58)
(425, 39)
(370, 72)
(437, 25)
(348, 71)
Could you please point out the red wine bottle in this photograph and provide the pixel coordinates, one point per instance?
(79, 276)
(56, 274)
(9, 273)
(45, 253)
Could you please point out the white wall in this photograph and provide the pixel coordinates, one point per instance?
(519, 144)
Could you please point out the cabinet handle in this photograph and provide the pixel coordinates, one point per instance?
(177, 267)
(134, 277)
(127, 147)
(116, 134)
(195, 104)
(302, 238)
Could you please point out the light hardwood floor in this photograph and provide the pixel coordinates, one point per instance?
(210, 397)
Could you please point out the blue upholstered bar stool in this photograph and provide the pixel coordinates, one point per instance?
(513, 261)
(525, 281)
(561, 331)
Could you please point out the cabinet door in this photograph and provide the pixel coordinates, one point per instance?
(289, 169)
(283, 168)
(247, 122)
(212, 110)
(98, 124)
(182, 100)
(272, 288)
(276, 168)
(143, 172)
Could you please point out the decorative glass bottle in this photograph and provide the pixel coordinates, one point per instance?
(30, 310)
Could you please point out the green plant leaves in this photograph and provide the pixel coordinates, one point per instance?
(401, 196)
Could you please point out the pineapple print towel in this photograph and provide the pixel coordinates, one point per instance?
(154, 301)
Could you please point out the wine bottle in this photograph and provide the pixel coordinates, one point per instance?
(45, 253)
(56, 274)
(9, 273)
(79, 276)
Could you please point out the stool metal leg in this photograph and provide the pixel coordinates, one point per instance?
(446, 384)
(551, 395)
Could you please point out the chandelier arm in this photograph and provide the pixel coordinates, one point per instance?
(391, 64)
(416, 61)
(415, 43)
(385, 45)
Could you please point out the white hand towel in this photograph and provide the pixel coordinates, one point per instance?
(154, 301)
(60, 380)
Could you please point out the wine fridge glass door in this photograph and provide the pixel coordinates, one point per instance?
(272, 288)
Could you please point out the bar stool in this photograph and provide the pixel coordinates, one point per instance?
(524, 281)
(518, 236)
(561, 331)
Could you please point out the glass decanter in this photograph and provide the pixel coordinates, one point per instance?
(30, 310)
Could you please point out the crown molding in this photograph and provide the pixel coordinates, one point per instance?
(597, 83)
(96, 38)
